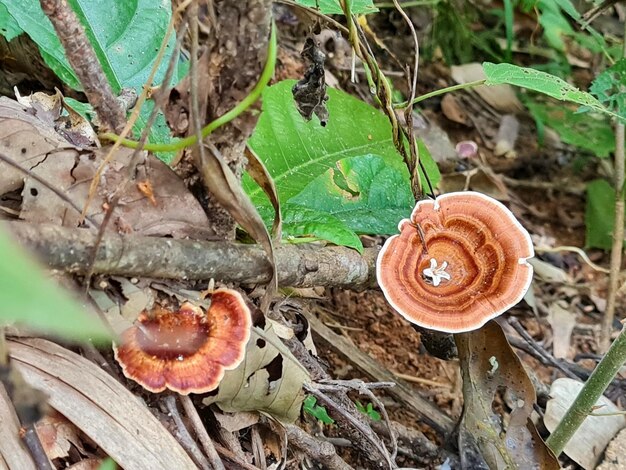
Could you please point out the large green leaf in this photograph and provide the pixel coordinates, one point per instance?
(126, 47)
(298, 221)
(295, 151)
(600, 215)
(587, 131)
(332, 7)
(8, 26)
(498, 74)
(362, 192)
(28, 297)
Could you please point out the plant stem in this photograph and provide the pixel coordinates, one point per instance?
(593, 389)
(413, 3)
(243, 105)
(618, 235)
(462, 86)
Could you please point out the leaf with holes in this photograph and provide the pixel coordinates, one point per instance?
(333, 7)
(297, 152)
(363, 192)
(542, 82)
(589, 131)
(269, 379)
(610, 87)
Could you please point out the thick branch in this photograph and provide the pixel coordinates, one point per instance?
(137, 256)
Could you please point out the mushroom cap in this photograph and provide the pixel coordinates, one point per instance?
(186, 351)
(474, 268)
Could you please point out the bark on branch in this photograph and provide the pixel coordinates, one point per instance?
(138, 256)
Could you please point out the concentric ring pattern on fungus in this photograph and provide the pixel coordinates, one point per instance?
(186, 351)
(459, 261)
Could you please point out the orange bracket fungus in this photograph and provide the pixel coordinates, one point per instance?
(459, 261)
(186, 351)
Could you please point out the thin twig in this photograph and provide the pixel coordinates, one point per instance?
(618, 235)
(136, 155)
(339, 410)
(32, 441)
(182, 433)
(318, 450)
(201, 433)
(365, 388)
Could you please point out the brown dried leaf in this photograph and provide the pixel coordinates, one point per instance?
(47, 108)
(13, 452)
(487, 364)
(269, 379)
(26, 140)
(57, 435)
(562, 320)
(587, 444)
(176, 213)
(98, 405)
(257, 171)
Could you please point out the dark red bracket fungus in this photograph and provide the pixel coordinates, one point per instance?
(186, 351)
(458, 262)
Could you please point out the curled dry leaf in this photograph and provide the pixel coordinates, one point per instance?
(98, 405)
(269, 379)
(588, 443)
(36, 145)
(487, 364)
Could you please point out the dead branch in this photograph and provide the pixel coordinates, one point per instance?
(137, 256)
(201, 433)
(182, 433)
(320, 451)
(83, 59)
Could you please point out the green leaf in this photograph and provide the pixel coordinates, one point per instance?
(299, 221)
(126, 47)
(28, 297)
(587, 131)
(368, 410)
(610, 87)
(318, 412)
(108, 464)
(333, 7)
(498, 74)
(362, 192)
(295, 151)
(600, 215)
(8, 26)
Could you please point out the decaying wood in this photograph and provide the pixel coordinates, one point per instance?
(101, 407)
(82, 57)
(130, 255)
(401, 392)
